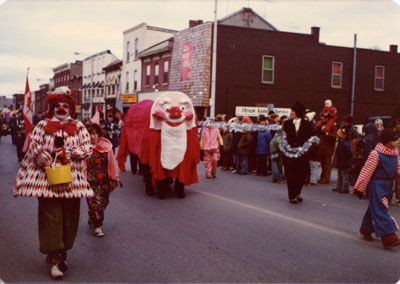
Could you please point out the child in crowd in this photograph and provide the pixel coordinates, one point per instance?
(226, 157)
(102, 174)
(209, 143)
(263, 150)
(343, 161)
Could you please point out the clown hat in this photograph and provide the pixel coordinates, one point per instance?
(61, 94)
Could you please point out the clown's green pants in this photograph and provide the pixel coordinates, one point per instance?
(58, 226)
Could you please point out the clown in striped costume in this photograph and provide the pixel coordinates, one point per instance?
(57, 140)
(380, 170)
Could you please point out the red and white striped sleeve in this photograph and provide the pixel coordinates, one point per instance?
(112, 167)
(367, 171)
(397, 179)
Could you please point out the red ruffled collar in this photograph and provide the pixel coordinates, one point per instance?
(103, 145)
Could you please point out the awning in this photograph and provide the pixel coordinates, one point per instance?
(96, 84)
(84, 86)
(101, 84)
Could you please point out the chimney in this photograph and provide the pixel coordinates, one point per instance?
(393, 48)
(193, 23)
(315, 33)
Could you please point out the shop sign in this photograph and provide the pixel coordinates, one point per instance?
(256, 111)
(129, 98)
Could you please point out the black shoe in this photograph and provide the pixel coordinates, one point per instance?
(293, 201)
(299, 198)
(63, 266)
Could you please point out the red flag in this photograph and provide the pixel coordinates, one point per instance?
(27, 109)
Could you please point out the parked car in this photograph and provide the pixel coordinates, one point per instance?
(385, 118)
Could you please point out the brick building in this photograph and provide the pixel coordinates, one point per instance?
(70, 75)
(258, 65)
(191, 56)
(284, 67)
(156, 62)
(40, 99)
(18, 101)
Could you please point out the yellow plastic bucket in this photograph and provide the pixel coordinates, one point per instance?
(59, 174)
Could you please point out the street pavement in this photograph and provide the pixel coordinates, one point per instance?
(232, 228)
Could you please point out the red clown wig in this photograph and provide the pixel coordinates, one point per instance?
(61, 95)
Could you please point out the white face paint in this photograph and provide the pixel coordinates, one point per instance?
(61, 111)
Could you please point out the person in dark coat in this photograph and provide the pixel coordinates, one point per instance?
(235, 142)
(355, 140)
(13, 128)
(110, 127)
(370, 140)
(243, 150)
(226, 156)
(343, 162)
(326, 147)
(298, 131)
(19, 130)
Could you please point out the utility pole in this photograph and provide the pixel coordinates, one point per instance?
(214, 64)
(353, 84)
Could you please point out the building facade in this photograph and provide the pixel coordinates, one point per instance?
(39, 99)
(192, 56)
(5, 103)
(259, 66)
(137, 39)
(18, 101)
(156, 63)
(113, 75)
(93, 95)
(70, 75)
(279, 68)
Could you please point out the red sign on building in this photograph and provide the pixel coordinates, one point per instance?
(186, 69)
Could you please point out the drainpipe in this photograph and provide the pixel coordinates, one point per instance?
(353, 85)
(214, 64)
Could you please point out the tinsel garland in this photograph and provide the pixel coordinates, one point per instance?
(284, 146)
(296, 152)
(239, 126)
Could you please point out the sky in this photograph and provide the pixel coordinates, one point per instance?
(44, 34)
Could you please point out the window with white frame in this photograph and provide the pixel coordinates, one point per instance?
(165, 77)
(379, 78)
(136, 48)
(148, 75)
(337, 72)
(135, 80)
(156, 70)
(268, 64)
(127, 82)
(127, 50)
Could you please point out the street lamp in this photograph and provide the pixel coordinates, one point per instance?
(91, 84)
